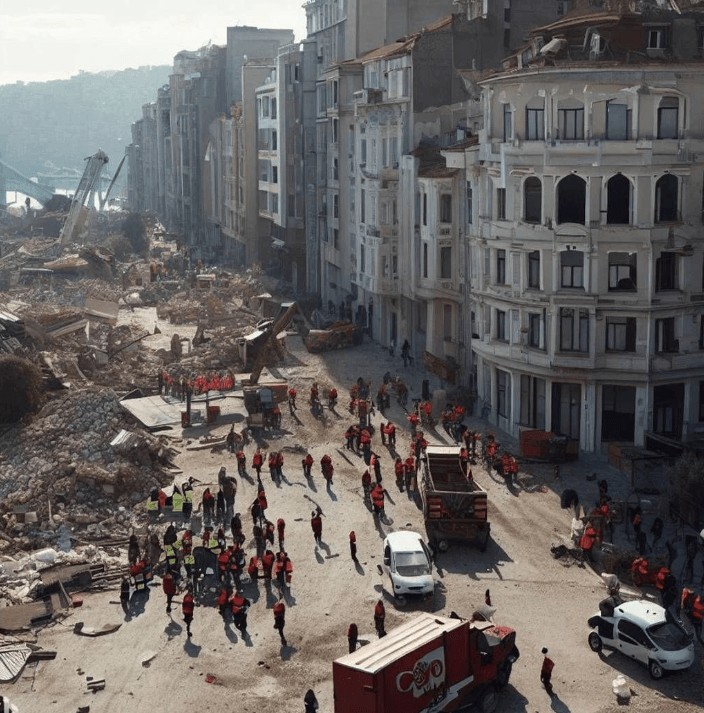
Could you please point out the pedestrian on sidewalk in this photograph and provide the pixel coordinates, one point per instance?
(546, 672)
(169, 586)
(280, 620)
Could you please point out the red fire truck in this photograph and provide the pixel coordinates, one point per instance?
(432, 664)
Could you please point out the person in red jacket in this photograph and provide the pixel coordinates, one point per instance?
(352, 635)
(223, 565)
(280, 620)
(292, 393)
(697, 616)
(223, 599)
(307, 463)
(169, 586)
(327, 468)
(391, 434)
(366, 484)
(353, 546)
(378, 501)
(546, 672)
(332, 398)
(267, 567)
(379, 617)
(316, 524)
(587, 541)
(258, 462)
(187, 607)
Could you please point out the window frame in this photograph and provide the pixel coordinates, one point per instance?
(500, 266)
(533, 199)
(535, 123)
(666, 272)
(620, 330)
(574, 330)
(575, 270)
(576, 123)
(501, 334)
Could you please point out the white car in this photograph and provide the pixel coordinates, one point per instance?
(644, 631)
(409, 561)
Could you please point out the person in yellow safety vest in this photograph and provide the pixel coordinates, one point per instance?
(177, 501)
(171, 558)
(153, 502)
(212, 542)
(187, 500)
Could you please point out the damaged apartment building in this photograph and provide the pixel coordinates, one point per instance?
(584, 222)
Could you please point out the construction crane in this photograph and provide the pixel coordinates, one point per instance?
(84, 198)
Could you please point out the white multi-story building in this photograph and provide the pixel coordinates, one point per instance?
(584, 221)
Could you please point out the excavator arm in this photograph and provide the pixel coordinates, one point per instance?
(270, 350)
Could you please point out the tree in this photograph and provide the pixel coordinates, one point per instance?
(20, 388)
(135, 231)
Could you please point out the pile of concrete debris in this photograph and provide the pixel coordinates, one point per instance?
(61, 469)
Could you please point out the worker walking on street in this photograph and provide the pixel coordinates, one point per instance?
(316, 524)
(379, 617)
(310, 701)
(352, 635)
(169, 586)
(125, 596)
(257, 463)
(353, 546)
(546, 672)
(307, 463)
(239, 604)
(187, 608)
(280, 620)
(292, 393)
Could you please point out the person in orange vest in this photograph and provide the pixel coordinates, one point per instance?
(169, 586)
(366, 484)
(253, 568)
(241, 462)
(235, 562)
(258, 462)
(280, 531)
(187, 608)
(280, 620)
(307, 463)
(399, 471)
(414, 421)
(391, 434)
(352, 636)
(292, 393)
(239, 605)
(223, 565)
(464, 460)
(272, 465)
(586, 542)
(279, 467)
(546, 672)
(327, 468)
(639, 570)
(332, 398)
(208, 502)
(697, 616)
(222, 600)
(379, 617)
(660, 579)
(261, 497)
(378, 501)
(350, 438)
(268, 561)
(409, 470)
(316, 523)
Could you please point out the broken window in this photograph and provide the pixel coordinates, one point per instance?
(532, 200)
(668, 118)
(572, 268)
(665, 341)
(574, 330)
(620, 334)
(666, 199)
(534, 269)
(571, 200)
(666, 272)
(622, 272)
(618, 205)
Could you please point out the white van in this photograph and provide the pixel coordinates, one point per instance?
(409, 563)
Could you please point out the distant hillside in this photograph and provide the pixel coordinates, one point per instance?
(64, 121)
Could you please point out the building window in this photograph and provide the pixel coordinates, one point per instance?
(533, 200)
(571, 200)
(425, 209)
(622, 272)
(446, 263)
(470, 207)
(336, 238)
(665, 341)
(618, 204)
(362, 259)
(536, 336)
(274, 141)
(363, 152)
(335, 205)
(447, 322)
(572, 268)
(571, 123)
(425, 260)
(657, 38)
(335, 169)
(274, 174)
(363, 206)
(701, 401)
(532, 401)
(501, 204)
(501, 325)
(508, 129)
(620, 334)
(503, 393)
(668, 118)
(445, 208)
(535, 124)
(500, 267)
(574, 330)
(335, 130)
(666, 272)
(618, 120)
(667, 199)
(701, 331)
(534, 269)
(273, 108)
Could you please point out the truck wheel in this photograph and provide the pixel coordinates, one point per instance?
(443, 545)
(595, 642)
(489, 702)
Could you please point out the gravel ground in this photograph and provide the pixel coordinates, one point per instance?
(545, 601)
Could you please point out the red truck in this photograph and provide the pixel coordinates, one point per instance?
(431, 664)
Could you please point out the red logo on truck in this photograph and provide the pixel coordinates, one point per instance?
(428, 673)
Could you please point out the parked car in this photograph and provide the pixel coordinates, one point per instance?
(645, 631)
(409, 561)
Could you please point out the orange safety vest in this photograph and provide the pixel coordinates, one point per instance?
(698, 609)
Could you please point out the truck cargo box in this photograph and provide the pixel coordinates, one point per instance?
(429, 659)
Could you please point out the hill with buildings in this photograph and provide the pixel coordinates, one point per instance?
(61, 122)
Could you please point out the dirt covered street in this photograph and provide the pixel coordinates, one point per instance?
(150, 664)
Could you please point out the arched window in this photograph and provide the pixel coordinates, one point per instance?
(668, 118)
(571, 200)
(618, 205)
(533, 200)
(666, 199)
(570, 120)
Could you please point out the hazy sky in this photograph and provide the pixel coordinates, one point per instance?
(46, 39)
